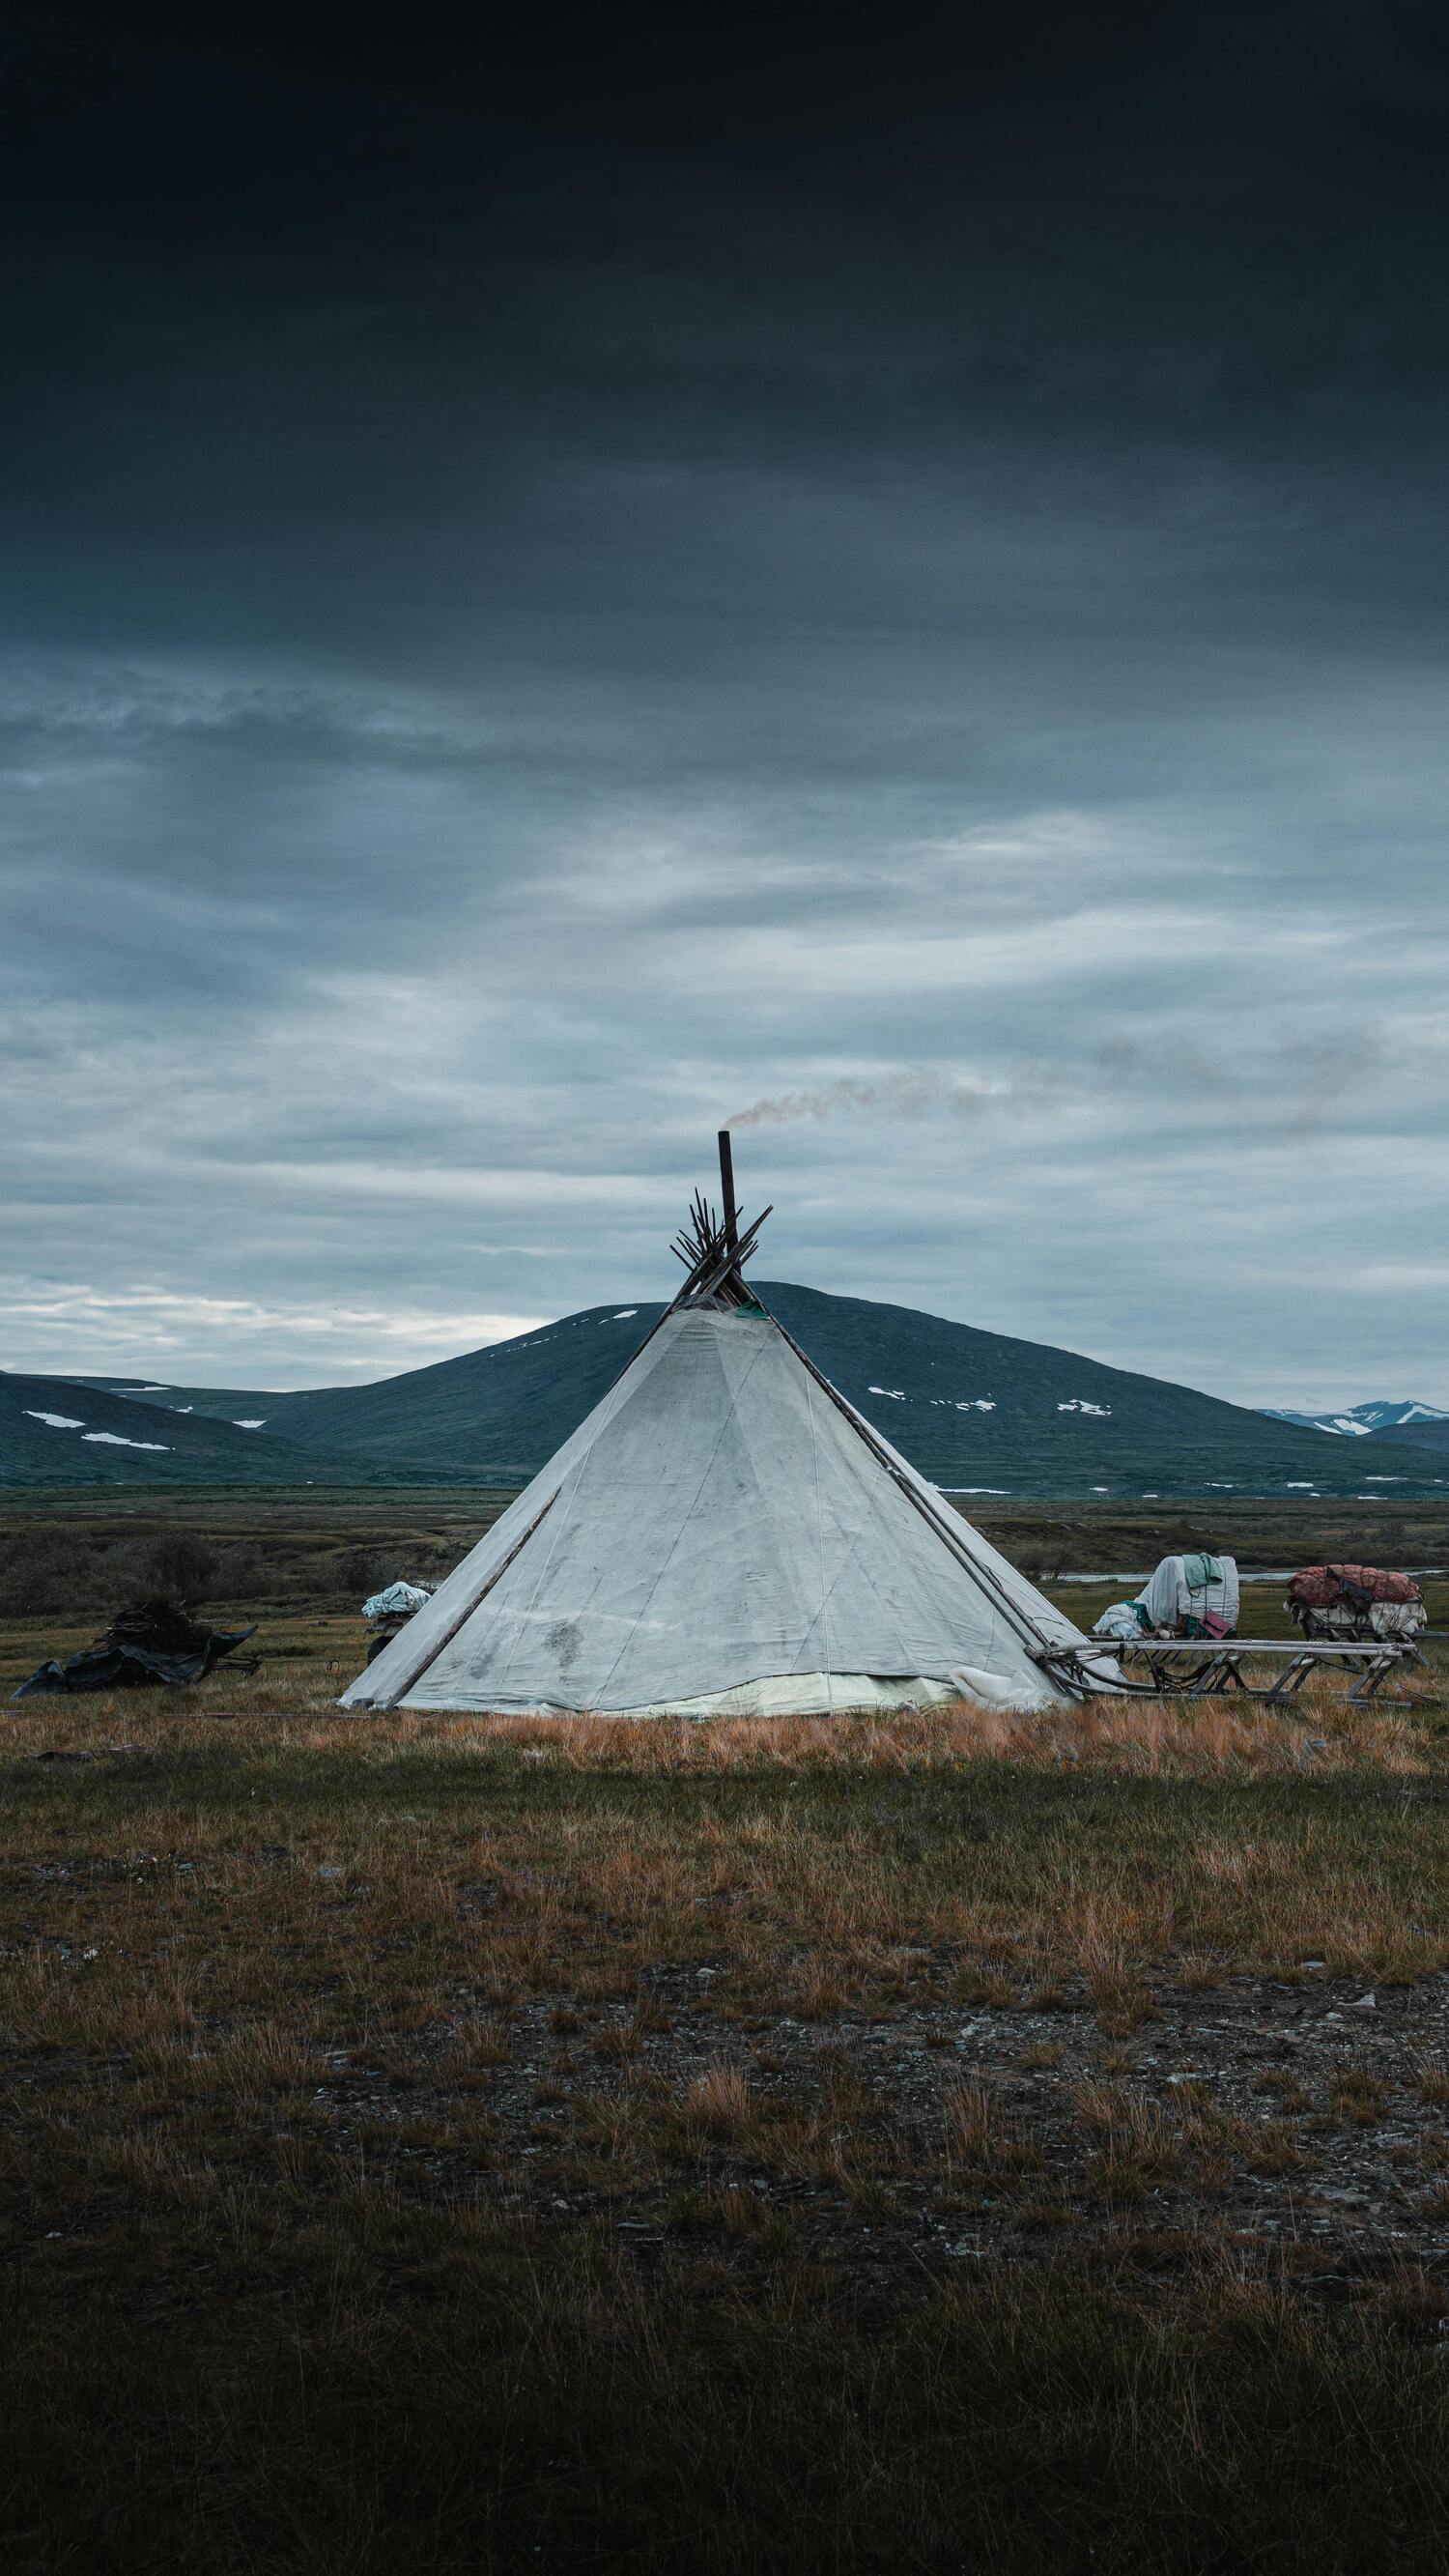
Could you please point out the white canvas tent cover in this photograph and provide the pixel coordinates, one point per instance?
(722, 1534)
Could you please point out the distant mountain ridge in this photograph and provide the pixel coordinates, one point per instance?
(982, 1413)
(1358, 1421)
(65, 1431)
(248, 1408)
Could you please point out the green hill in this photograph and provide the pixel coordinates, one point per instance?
(1409, 1436)
(980, 1412)
(1057, 1423)
(62, 1431)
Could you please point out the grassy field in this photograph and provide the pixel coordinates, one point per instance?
(968, 2141)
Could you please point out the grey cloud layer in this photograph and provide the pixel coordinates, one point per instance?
(508, 664)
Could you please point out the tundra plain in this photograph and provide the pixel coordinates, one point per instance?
(1015, 2142)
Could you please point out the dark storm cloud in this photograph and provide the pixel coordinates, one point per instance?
(556, 593)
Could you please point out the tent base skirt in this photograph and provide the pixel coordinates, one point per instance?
(799, 1695)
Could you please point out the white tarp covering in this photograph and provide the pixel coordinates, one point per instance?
(1179, 1588)
(1186, 1587)
(1401, 1620)
(1120, 1619)
(718, 1534)
(1397, 1618)
(406, 1597)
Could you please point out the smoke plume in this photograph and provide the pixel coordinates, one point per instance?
(1294, 1082)
(906, 1094)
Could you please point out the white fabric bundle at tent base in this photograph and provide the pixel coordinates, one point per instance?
(723, 1536)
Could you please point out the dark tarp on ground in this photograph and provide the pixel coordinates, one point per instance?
(155, 1642)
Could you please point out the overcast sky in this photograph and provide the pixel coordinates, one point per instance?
(559, 595)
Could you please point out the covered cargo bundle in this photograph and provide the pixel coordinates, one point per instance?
(391, 1610)
(1355, 1601)
(1185, 1596)
(399, 1601)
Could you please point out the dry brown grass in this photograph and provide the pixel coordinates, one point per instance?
(290, 1935)
(1291, 2093)
(313, 1658)
(983, 2140)
(718, 2106)
(310, 2014)
(1136, 2142)
(1269, 2146)
(1041, 2056)
(812, 1865)
(1358, 2095)
(477, 2045)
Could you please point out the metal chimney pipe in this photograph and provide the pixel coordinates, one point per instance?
(727, 1190)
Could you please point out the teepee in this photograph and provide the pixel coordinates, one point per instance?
(723, 1535)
